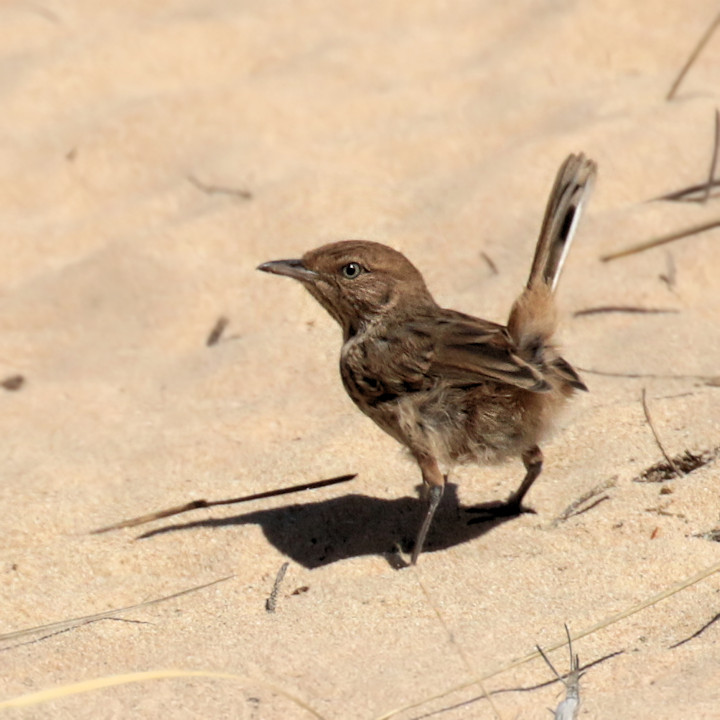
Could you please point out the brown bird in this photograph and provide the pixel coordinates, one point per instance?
(450, 387)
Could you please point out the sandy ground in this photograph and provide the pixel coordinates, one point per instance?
(152, 155)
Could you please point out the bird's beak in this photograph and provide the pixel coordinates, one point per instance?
(292, 268)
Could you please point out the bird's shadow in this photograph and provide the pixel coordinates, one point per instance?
(319, 533)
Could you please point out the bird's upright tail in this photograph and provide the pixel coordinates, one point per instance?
(572, 187)
(533, 317)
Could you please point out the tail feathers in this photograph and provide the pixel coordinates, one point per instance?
(533, 317)
(567, 373)
(569, 194)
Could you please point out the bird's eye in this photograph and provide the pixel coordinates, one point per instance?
(351, 270)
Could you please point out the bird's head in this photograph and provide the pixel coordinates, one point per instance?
(357, 281)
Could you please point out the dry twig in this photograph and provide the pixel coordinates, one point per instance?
(700, 193)
(73, 622)
(670, 275)
(668, 459)
(271, 602)
(94, 684)
(697, 632)
(575, 507)
(195, 504)
(714, 160)
(622, 309)
(690, 194)
(219, 189)
(490, 263)
(216, 333)
(522, 689)
(661, 240)
(42, 638)
(12, 383)
(713, 380)
(693, 57)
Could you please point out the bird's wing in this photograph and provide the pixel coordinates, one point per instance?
(469, 350)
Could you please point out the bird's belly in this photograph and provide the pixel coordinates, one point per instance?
(455, 425)
(483, 423)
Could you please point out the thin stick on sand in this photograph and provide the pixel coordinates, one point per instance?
(693, 193)
(693, 57)
(195, 504)
(74, 622)
(80, 688)
(650, 422)
(595, 494)
(216, 333)
(219, 189)
(713, 380)
(630, 309)
(714, 160)
(702, 192)
(271, 602)
(661, 240)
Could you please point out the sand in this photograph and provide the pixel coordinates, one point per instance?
(153, 155)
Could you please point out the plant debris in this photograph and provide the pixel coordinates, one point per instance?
(12, 383)
(686, 463)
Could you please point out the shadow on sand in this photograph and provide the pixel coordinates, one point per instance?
(319, 533)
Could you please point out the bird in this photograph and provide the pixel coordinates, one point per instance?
(452, 388)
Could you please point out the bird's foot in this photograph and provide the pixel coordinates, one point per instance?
(496, 510)
(399, 557)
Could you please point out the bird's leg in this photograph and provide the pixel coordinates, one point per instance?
(533, 460)
(435, 484)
